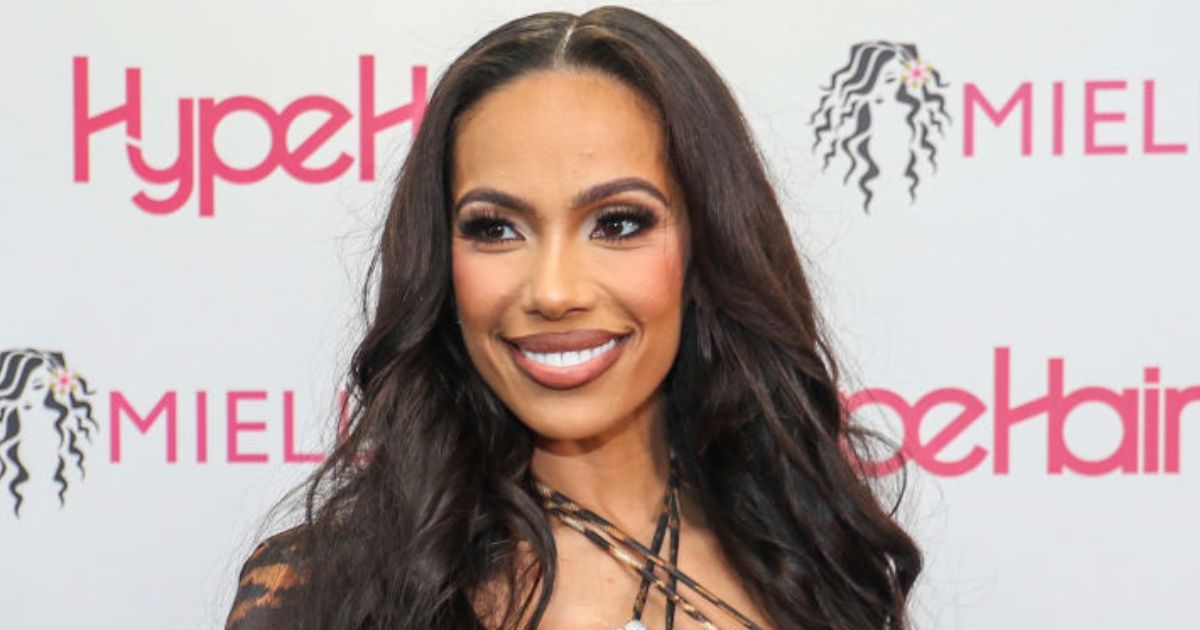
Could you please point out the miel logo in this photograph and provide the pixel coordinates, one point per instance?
(879, 76)
(45, 423)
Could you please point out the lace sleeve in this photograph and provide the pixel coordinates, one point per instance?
(264, 583)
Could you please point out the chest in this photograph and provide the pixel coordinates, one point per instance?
(594, 591)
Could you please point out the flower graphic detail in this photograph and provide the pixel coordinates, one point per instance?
(917, 73)
(63, 380)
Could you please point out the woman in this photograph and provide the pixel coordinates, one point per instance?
(593, 393)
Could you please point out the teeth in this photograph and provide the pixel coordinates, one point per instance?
(570, 358)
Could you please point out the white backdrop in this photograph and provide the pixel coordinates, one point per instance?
(1074, 257)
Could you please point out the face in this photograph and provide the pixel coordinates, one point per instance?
(890, 76)
(569, 251)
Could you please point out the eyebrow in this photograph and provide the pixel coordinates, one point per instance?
(581, 199)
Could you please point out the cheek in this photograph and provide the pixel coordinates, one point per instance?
(649, 285)
(480, 286)
(483, 290)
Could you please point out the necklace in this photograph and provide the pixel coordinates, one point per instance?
(643, 561)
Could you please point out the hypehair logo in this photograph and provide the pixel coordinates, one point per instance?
(1149, 417)
(46, 422)
(199, 163)
(878, 76)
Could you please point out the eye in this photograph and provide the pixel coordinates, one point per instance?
(624, 222)
(488, 228)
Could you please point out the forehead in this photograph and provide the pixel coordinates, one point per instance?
(559, 129)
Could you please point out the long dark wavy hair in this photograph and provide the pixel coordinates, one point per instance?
(426, 499)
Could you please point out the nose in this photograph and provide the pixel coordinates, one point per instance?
(558, 283)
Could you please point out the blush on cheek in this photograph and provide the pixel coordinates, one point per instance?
(648, 282)
(481, 283)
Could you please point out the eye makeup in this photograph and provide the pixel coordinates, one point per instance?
(486, 226)
(618, 222)
(621, 216)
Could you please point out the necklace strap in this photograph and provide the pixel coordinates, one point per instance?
(637, 557)
(624, 556)
(673, 505)
(664, 519)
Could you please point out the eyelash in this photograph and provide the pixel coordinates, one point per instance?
(477, 226)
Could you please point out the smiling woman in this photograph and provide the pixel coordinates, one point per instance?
(592, 339)
(569, 243)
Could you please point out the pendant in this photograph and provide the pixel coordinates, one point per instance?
(633, 624)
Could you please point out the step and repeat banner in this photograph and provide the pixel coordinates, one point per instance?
(996, 201)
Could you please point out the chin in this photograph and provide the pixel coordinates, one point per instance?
(563, 422)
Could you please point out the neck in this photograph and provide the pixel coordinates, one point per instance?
(621, 476)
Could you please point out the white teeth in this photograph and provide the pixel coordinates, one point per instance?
(570, 358)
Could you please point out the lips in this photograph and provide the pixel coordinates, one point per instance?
(566, 360)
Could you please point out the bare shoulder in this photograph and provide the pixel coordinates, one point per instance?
(266, 577)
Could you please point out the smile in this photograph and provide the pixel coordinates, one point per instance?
(570, 358)
(566, 360)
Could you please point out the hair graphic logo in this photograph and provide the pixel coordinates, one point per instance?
(40, 393)
(878, 75)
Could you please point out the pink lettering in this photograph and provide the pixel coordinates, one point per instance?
(235, 425)
(1123, 458)
(179, 172)
(1177, 400)
(1007, 416)
(201, 427)
(914, 447)
(118, 405)
(1091, 118)
(293, 161)
(1148, 143)
(1150, 413)
(129, 113)
(371, 123)
(972, 97)
(1058, 407)
(289, 434)
(212, 166)
(1138, 411)
(971, 408)
(199, 163)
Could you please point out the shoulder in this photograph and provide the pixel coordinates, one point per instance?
(267, 576)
